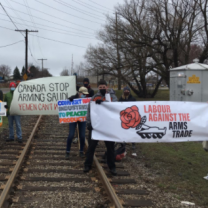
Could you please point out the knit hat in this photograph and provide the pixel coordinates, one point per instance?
(102, 82)
(86, 80)
(126, 88)
(83, 90)
(12, 84)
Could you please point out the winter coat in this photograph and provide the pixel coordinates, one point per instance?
(98, 96)
(8, 99)
(1, 95)
(127, 99)
(91, 91)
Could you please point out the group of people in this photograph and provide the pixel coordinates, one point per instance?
(82, 92)
(99, 97)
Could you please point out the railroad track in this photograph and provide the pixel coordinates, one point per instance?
(41, 177)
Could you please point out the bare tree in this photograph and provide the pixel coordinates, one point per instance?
(203, 4)
(5, 70)
(150, 37)
(64, 72)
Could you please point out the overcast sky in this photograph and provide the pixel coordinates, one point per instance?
(75, 22)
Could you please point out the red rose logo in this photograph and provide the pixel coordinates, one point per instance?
(130, 117)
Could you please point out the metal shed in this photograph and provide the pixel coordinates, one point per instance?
(189, 82)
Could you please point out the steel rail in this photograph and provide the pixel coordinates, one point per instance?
(10, 181)
(109, 189)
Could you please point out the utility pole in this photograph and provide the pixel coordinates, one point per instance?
(118, 56)
(42, 64)
(72, 63)
(26, 46)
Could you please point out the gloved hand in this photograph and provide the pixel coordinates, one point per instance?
(98, 101)
(71, 98)
(89, 127)
(6, 106)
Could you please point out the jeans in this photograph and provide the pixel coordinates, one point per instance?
(18, 127)
(91, 151)
(72, 127)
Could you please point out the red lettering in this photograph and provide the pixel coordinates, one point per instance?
(154, 108)
(55, 106)
(86, 100)
(150, 117)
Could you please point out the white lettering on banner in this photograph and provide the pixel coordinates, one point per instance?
(74, 111)
(163, 121)
(40, 96)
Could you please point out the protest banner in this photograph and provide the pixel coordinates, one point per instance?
(149, 121)
(2, 109)
(74, 111)
(40, 96)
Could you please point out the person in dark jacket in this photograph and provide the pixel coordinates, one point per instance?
(72, 126)
(86, 83)
(99, 97)
(127, 97)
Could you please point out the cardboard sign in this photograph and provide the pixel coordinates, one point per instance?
(164, 121)
(40, 96)
(74, 111)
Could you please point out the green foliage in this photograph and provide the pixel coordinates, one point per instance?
(16, 74)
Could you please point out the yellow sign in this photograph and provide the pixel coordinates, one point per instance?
(193, 80)
(25, 77)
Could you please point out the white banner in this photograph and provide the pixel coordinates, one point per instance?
(74, 111)
(40, 96)
(149, 121)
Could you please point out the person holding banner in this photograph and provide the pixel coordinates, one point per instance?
(82, 93)
(8, 98)
(100, 97)
(127, 97)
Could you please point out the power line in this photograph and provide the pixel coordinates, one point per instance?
(48, 21)
(22, 21)
(88, 6)
(49, 30)
(14, 11)
(35, 26)
(73, 33)
(28, 11)
(100, 5)
(53, 16)
(9, 17)
(32, 55)
(11, 44)
(61, 42)
(66, 12)
(7, 28)
(48, 39)
(26, 46)
(77, 9)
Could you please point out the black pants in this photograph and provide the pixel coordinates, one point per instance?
(91, 151)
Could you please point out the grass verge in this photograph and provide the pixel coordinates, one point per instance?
(179, 167)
